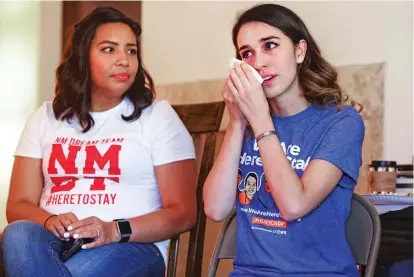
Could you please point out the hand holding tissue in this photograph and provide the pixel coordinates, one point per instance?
(255, 73)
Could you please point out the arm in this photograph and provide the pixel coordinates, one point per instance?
(296, 197)
(172, 152)
(24, 195)
(177, 183)
(220, 187)
(25, 189)
(26, 182)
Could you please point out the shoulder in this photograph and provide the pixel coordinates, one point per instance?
(347, 115)
(160, 115)
(158, 107)
(43, 114)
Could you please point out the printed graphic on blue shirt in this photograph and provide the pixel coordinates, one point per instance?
(316, 242)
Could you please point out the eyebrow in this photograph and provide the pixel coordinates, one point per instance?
(115, 43)
(261, 40)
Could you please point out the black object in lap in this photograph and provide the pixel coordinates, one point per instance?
(74, 247)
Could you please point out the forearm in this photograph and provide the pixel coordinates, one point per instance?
(26, 211)
(286, 187)
(161, 225)
(220, 186)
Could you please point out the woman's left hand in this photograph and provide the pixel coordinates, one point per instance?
(249, 94)
(93, 227)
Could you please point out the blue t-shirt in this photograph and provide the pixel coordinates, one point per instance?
(314, 245)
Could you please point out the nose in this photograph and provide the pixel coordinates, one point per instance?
(259, 60)
(122, 59)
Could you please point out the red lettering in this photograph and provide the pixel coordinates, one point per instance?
(55, 199)
(61, 140)
(72, 200)
(57, 181)
(111, 156)
(67, 163)
(98, 182)
(60, 199)
(66, 199)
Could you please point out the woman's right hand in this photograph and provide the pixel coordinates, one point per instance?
(236, 115)
(58, 224)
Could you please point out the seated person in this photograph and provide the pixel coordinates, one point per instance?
(103, 161)
(295, 133)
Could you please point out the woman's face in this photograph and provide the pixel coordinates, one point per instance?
(251, 186)
(113, 60)
(272, 54)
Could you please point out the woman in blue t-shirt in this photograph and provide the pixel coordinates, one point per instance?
(302, 141)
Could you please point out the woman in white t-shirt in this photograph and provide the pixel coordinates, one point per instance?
(104, 161)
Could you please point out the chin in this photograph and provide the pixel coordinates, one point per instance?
(273, 92)
(120, 90)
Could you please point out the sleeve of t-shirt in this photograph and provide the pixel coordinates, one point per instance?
(170, 139)
(29, 144)
(342, 147)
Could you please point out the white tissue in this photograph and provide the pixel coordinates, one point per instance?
(255, 73)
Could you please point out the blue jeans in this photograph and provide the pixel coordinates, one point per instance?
(29, 249)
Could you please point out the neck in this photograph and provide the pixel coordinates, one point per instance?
(290, 102)
(100, 103)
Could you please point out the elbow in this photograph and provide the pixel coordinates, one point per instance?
(188, 221)
(10, 212)
(191, 221)
(289, 217)
(214, 213)
(291, 213)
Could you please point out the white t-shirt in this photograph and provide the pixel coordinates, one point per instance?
(107, 172)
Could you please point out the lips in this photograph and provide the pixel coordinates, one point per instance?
(121, 76)
(268, 80)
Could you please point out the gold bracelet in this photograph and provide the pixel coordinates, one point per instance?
(267, 133)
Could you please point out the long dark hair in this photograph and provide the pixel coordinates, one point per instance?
(317, 77)
(73, 76)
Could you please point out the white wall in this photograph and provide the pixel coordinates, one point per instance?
(29, 52)
(188, 41)
(18, 79)
(50, 48)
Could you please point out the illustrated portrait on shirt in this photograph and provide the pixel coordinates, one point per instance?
(263, 181)
(239, 179)
(250, 188)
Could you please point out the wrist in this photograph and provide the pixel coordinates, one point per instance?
(123, 229)
(261, 126)
(115, 236)
(238, 126)
(47, 219)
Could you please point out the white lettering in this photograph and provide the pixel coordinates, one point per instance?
(254, 157)
(255, 146)
(262, 213)
(295, 150)
(283, 147)
(300, 164)
(242, 158)
(307, 162)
